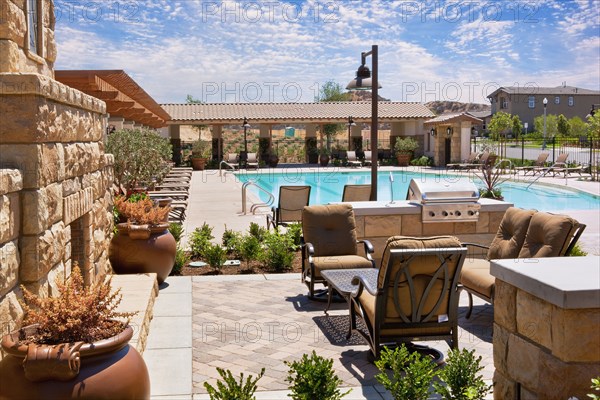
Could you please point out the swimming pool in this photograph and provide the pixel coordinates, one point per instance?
(328, 187)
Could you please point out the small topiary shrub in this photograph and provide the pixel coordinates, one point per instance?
(577, 251)
(181, 260)
(257, 231)
(249, 248)
(230, 389)
(278, 252)
(313, 378)
(215, 255)
(200, 240)
(411, 373)
(460, 379)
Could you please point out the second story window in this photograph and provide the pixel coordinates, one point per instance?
(33, 26)
(531, 101)
(571, 101)
(557, 100)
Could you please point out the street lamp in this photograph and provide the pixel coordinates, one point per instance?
(364, 81)
(245, 125)
(350, 124)
(545, 104)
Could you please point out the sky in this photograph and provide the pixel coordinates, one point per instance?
(284, 51)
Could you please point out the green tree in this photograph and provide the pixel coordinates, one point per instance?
(578, 127)
(594, 125)
(500, 124)
(562, 125)
(551, 126)
(517, 126)
(332, 91)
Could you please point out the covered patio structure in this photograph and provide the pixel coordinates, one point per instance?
(405, 119)
(451, 136)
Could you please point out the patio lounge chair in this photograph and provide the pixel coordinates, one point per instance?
(352, 159)
(368, 158)
(292, 200)
(356, 193)
(560, 166)
(252, 161)
(522, 234)
(233, 160)
(483, 161)
(538, 164)
(415, 296)
(560, 162)
(471, 160)
(330, 242)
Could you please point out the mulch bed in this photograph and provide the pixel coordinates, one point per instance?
(255, 267)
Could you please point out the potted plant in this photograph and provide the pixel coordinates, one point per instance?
(143, 244)
(491, 179)
(324, 153)
(200, 154)
(74, 345)
(404, 149)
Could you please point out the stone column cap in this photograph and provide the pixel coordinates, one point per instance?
(567, 282)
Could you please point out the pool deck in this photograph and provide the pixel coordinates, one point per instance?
(242, 323)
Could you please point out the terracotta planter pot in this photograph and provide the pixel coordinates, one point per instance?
(403, 159)
(108, 369)
(273, 161)
(324, 160)
(142, 249)
(198, 164)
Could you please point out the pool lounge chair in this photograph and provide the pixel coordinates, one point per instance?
(560, 162)
(329, 241)
(292, 200)
(560, 166)
(368, 158)
(415, 296)
(471, 160)
(352, 160)
(539, 163)
(252, 161)
(233, 160)
(356, 193)
(522, 234)
(482, 162)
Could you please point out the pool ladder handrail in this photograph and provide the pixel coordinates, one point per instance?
(227, 165)
(255, 206)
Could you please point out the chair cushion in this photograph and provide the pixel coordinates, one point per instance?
(339, 262)
(476, 276)
(331, 229)
(511, 234)
(548, 235)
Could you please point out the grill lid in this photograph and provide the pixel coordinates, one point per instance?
(441, 192)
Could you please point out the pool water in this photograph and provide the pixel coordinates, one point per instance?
(328, 187)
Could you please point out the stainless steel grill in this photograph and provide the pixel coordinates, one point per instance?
(445, 202)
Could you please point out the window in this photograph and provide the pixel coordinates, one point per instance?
(34, 28)
(571, 101)
(531, 101)
(503, 103)
(557, 100)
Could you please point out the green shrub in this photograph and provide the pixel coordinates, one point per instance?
(215, 255)
(140, 155)
(257, 231)
(313, 379)
(596, 387)
(200, 240)
(176, 230)
(230, 389)
(577, 251)
(459, 379)
(294, 231)
(422, 161)
(249, 248)
(278, 252)
(231, 241)
(181, 260)
(418, 372)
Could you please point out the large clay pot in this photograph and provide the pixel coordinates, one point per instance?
(143, 249)
(403, 159)
(107, 369)
(199, 163)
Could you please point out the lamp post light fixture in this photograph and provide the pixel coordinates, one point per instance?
(350, 124)
(545, 101)
(245, 125)
(366, 81)
(433, 132)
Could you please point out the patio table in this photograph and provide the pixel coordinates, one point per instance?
(340, 280)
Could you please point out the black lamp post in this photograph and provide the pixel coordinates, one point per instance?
(545, 101)
(245, 125)
(350, 124)
(364, 81)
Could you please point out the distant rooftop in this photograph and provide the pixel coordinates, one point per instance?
(453, 117)
(558, 90)
(325, 112)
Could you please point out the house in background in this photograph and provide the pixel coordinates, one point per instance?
(527, 102)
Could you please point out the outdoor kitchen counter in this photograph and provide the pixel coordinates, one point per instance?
(378, 220)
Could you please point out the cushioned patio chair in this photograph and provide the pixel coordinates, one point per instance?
(330, 242)
(292, 200)
(368, 158)
(252, 161)
(521, 234)
(352, 159)
(538, 164)
(415, 296)
(356, 193)
(233, 160)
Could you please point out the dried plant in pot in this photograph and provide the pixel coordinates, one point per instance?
(74, 345)
(143, 244)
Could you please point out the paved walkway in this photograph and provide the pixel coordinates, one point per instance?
(244, 323)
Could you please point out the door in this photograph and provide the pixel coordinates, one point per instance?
(447, 150)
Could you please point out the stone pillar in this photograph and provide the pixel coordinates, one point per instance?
(356, 136)
(264, 142)
(465, 140)
(175, 136)
(217, 139)
(310, 144)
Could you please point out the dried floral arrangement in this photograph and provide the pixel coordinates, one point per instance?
(142, 212)
(78, 313)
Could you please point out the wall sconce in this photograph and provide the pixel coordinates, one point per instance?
(449, 131)
(433, 132)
